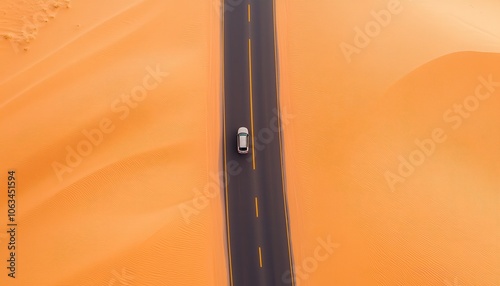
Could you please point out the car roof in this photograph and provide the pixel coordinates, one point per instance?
(243, 141)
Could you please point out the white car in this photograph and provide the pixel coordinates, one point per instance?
(242, 140)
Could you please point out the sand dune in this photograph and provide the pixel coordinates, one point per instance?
(103, 106)
(355, 115)
(106, 107)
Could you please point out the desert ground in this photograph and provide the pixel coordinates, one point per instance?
(392, 150)
(106, 104)
(391, 143)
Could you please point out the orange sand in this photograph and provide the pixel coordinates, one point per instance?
(440, 224)
(113, 216)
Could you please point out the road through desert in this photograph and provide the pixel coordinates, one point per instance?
(111, 122)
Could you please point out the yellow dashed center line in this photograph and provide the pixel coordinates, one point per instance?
(249, 13)
(251, 100)
(260, 257)
(256, 207)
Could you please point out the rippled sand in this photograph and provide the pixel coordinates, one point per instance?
(357, 110)
(106, 181)
(109, 112)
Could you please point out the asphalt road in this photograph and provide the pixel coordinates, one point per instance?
(256, 213)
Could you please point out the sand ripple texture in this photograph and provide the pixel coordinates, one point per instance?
(363, 82)
(109, 113)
